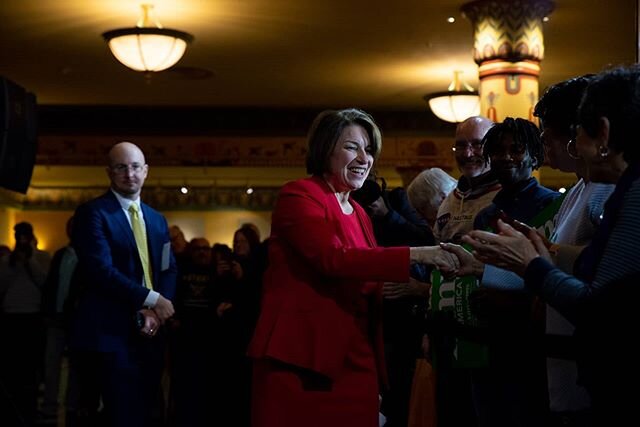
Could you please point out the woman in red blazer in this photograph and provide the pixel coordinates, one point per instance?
(317, 347)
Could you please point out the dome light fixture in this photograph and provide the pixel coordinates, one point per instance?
(457, 104)
(147, 47)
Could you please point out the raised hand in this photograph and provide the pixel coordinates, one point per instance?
(510, 250)
(525, 230)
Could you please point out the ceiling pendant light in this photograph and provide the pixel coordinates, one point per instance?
(457, 104)
(147, 47)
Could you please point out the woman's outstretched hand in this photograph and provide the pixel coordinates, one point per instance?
(510, 249)
(444, 261)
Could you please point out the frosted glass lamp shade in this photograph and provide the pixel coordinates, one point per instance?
(454, 106)
(147, 49)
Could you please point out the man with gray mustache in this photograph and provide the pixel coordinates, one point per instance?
(476, 187)
(475, 191)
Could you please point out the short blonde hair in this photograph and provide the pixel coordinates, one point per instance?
(427, 190)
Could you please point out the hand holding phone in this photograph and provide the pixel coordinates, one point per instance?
(521, 227)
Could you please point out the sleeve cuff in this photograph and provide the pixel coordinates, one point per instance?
(536, 272)
(497, 278)
(152, 299)
(566, 256)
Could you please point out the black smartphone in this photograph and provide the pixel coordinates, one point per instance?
(520, 226)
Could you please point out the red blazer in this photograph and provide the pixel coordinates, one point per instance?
(313, 282)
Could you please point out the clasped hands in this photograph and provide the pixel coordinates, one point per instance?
(509, 249)
(154, 318)
(445, 261)
(430, 255)
(151, 323)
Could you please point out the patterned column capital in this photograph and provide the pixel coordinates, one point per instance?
(508, 30)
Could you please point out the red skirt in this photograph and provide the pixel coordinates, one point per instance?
(287, 396)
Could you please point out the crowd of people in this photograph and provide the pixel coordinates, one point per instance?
(216, 303)
(520, 297)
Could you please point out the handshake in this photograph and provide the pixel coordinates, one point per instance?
(512, 248)
(452, 260)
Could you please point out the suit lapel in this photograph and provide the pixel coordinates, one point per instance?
(121, 219)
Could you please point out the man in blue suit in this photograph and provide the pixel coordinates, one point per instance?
(128, 278)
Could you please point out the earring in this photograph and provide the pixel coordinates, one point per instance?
(571, 150)
(603, 151)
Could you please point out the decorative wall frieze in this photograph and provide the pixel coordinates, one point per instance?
(11, 198)
(202, 151)
(160, 198)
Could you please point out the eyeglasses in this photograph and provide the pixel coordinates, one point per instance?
(475, 145)
(122, 169)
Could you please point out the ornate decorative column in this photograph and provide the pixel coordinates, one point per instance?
(508, 47)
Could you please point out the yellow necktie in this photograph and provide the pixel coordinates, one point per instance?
(141, 242)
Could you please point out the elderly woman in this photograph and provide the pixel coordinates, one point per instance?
(317, 345)
(602, 296)
(428, 190)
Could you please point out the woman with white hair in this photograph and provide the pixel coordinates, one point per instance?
(427, 191)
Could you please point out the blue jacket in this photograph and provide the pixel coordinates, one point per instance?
(110, 272)
(522, 202)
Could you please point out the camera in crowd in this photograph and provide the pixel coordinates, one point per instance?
(369, 192)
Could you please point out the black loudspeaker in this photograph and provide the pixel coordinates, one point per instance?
(18, 136)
